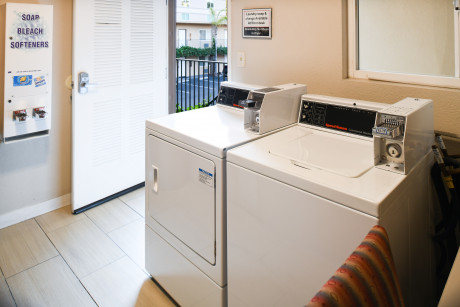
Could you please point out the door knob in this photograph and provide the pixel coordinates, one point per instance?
(83, 83)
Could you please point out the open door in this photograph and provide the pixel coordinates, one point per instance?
(120, 62)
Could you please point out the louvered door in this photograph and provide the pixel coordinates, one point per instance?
(122, 45)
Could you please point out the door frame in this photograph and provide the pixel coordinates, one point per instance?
(171, 56)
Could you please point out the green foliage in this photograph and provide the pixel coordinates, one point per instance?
(187, 51)
(221, 50)
(218, 18)
(204, 104)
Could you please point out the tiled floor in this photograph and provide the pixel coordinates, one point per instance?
(93, 258)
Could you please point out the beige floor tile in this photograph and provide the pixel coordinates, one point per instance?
(137, 204)
(6, 300)
(23, 246)
(131, 239)
(58, 218)
(112, 215)
(85, 247)
(132, 195)
(122, 284)
(50, 283)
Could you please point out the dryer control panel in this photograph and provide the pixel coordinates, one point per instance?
(352, 119)
(230, 96)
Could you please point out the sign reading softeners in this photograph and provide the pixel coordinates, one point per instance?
(27, 80)
(28, 28)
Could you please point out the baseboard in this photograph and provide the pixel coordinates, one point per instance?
(26, 213)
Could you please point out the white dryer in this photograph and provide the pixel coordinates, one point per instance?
(301, 200)
(185, 193)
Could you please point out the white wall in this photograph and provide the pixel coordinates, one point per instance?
(193, 34)
(197, 10)
(36, 171)
(309, 46)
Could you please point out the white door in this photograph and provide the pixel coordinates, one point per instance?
(182, 37)
(122, 45)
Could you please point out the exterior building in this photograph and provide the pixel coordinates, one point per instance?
(193, 23)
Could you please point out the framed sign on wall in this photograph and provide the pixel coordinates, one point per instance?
(257, 23)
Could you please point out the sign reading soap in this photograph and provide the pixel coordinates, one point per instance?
(29, 31)
(257, 23)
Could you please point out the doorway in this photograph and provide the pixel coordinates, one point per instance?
(201, 63)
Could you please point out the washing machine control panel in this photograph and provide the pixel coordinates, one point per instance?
(352, 120)
(230, 96)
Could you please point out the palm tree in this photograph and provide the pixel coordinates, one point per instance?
(217, 19)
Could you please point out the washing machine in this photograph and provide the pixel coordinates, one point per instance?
(301, 200)
(186, 189)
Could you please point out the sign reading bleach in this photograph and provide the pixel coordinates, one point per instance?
(28, 71)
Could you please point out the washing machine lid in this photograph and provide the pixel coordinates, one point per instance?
(344, 156)
(325, 167)
(213, 129)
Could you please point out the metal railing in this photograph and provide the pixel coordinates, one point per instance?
(198, 82)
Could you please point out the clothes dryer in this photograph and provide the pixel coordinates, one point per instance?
(186, 188)
(311, 194)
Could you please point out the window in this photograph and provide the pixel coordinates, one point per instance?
(210, 4)
(202, 35)
(186, 3)
(411, 41)
(185, 16)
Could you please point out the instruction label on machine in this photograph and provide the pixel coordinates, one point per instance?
(206, 177)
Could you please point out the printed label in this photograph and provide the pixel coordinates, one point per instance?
(39, 81)
(22, 80)
(206, 177)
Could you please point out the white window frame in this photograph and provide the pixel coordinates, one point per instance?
(355, 73)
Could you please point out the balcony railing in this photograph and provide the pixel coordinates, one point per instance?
(198, 82)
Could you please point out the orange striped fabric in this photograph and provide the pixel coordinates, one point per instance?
(367, 278)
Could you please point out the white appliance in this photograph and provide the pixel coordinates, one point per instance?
(300, 201)
(186, 193)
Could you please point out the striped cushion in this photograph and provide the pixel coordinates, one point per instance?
(367, 278)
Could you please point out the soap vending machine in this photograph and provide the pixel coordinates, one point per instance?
(403, 134)
(26, 76)
(271, 108)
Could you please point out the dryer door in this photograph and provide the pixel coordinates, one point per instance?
(181, 188)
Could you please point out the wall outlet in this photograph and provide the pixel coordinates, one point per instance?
(241, 59)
